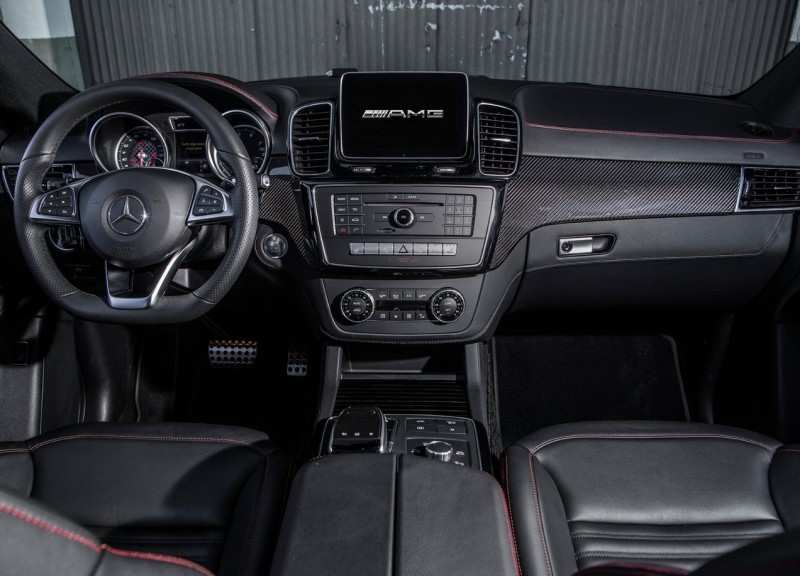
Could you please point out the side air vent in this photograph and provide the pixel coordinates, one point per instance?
(310, 139)
(770, 188)
(57, 176)
(498, 140)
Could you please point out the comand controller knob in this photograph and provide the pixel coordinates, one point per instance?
(447, 305)
(439, 450)
(357, 305)
(402, 218)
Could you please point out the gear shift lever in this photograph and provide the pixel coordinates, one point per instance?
(359, 429)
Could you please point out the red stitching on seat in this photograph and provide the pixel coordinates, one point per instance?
(542, 535)
(175, 560)
(15, 512)
(510, 521)
(641, 569)
(100, 436)
(644, 436)
(57, 530)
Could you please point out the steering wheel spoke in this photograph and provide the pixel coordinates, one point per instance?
(123, 290)
(210, 205)
(58, 206)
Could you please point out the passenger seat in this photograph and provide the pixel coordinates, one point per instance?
(212, 495)
(670, 495)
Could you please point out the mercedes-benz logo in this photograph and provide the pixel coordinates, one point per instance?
(127, 215)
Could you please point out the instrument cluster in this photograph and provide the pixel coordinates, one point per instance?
(122, 139)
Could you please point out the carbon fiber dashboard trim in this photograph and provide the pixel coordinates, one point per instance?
(281, 204)
(556, 190)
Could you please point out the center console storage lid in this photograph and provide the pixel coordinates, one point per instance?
(392, 515)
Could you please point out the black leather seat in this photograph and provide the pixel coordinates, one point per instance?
(37, 541)
(673, 495)
(209, 494)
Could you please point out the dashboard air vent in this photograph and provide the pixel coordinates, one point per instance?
(770, 188)
(310, 139)
(498, 140)
(57, 176)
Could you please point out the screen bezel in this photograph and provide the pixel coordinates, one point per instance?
(433, 159)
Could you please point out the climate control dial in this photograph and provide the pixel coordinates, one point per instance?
(447, 305)
(357, 305)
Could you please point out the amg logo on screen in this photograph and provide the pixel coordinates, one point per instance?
(407, 114)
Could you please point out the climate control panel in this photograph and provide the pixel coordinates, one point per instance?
(440, 306)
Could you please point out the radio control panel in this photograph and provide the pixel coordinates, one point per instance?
(396, 214)
(404, 225)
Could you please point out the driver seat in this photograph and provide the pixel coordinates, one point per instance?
(212, 495)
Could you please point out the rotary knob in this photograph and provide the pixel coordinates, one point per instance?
(447, 305)
(403, 217)
(438, 450)
(357, 305)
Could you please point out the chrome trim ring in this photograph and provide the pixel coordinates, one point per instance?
(213, 157)
(98, 123)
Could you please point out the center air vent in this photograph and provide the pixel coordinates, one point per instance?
(498, 140)
(310, 137)
(770, 188)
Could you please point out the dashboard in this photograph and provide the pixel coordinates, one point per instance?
(423, 207)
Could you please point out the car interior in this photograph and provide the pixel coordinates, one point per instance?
(398, 320)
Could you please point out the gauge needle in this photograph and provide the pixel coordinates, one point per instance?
(142, 156)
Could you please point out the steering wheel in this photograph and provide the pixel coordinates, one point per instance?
(142, 222)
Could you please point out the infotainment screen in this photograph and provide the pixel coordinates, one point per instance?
(403, 116)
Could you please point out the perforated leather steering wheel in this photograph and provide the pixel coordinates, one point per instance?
(138, 220)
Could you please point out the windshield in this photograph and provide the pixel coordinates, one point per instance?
(716, 47)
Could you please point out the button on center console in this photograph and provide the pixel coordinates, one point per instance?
(357, 305)
(402, 217)
(404, 225)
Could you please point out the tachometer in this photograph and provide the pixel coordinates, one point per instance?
(141, 147)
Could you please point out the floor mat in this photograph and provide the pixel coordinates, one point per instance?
(552, 379)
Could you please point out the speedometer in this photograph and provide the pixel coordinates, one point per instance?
(141, 147)
(256, 145)
(253, 134)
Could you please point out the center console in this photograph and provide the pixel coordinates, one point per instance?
(404, 212)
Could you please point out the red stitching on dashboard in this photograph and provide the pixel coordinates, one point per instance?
(219, 81)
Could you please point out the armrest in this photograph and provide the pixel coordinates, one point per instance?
(391, 514)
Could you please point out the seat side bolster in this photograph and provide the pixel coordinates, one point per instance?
(539, 516)
(16, 469)
(783, 474)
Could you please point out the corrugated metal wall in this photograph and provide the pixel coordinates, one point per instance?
(708, 46)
